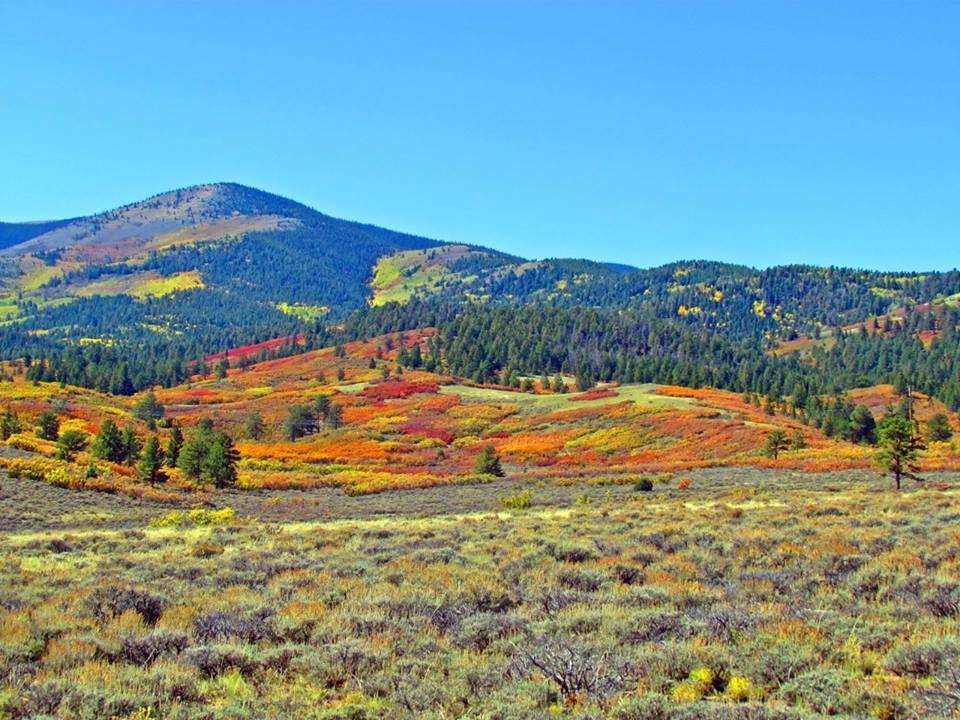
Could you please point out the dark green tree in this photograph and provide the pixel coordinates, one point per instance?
(48, 425)
(149, 409)
(776, 443)
(70, 443)
(9, 423)
(108, 445)
(900, 446)
(150, 468)
(862, 428)
(253, 426)
(488, 463)
(174, 445)
(938, 428)
(190, 460)
(301, 420)
(219, 466)
(131, 446)
(334, 418)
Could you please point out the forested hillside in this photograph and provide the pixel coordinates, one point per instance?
(139, 295)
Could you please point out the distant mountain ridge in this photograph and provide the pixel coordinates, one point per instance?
(199, 270)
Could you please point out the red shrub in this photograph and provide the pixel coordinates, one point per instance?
(395, 389)
(422, 429)
(595, 394)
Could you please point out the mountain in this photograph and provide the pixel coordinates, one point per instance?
(133, 296)
(230, 236)
(17, 233)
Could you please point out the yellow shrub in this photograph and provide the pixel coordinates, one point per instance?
(197, 516)
(739, 688)
(703, 677)
(686, 692)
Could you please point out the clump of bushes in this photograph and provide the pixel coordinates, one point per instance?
(113, 600)
(198, 517)
(517, 501)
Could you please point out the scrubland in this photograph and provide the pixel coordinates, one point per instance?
(749, 594)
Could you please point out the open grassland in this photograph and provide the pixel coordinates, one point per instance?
(750, 594)
(398, 277)
(142, 285)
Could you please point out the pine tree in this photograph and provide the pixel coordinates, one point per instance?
(190, 459)
(219, 466)
(488, 463)
(131, 446)
(938, 428)
(253, 426)
(776, 443)
(109, 443)
(149, 409)
(48, 425)
(900, 446)
(862, 428)
(9, 423)
(70, 443)
(301, 420)
(174, 445)
(334, 417)
(150, 468)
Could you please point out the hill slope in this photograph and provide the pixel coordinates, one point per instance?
(193, 272)
(236, 237)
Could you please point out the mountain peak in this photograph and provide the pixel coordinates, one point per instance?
(198, 205)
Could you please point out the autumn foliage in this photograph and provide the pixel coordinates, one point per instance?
(420, 429)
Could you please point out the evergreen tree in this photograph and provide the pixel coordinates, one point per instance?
(776, 443)
(900, 446)
(150, 468)
(70, 443)
(320, 405)
(488, 463)
(938, 428)
(192, 454)
(48, 425)
(253, 427)
(149, 409)
(9, 423)
(131, 446)
(334, 418)
(301, 420)
(108, 445)
(862, 428)
(219, 466)
(174, 445)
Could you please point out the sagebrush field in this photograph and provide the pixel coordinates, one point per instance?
(748, 594)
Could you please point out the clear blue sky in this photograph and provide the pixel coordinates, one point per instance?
(642, 132)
